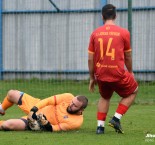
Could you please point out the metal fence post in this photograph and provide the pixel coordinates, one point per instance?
(130, 19)
(1, 49)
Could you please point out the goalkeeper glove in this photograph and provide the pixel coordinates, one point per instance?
(44, 122)
(34, 109)
(32, 114)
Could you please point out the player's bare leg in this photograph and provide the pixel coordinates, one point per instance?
(103, 107)
(123, 106)
(129, 100)
(11, 98)
(13, 124)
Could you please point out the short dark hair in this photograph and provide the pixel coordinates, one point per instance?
(84, 101)
(109, 12)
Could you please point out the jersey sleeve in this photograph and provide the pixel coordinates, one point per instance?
(127, 46)
(53, 100)
(61, 127)
(46, 102)
(91, 45)
(68, 125)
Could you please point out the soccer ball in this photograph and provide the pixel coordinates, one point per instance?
(34, 125)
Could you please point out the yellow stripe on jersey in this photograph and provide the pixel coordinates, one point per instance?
(90, 52)
(128, 50)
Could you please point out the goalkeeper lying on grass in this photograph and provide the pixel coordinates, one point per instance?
(56, 113)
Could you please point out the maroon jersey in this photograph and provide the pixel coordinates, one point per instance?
(108, 44)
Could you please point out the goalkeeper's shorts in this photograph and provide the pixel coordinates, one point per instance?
(24, 119)
(26, 102)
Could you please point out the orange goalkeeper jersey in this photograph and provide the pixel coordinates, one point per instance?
(55, 110)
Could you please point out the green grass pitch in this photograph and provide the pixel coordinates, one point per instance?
(137, 122)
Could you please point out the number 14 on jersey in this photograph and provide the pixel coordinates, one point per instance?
(109, 51)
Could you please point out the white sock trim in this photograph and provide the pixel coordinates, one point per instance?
(117, 115)
(1, 109)
(100, 123)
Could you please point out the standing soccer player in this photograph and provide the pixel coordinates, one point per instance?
(109, 52)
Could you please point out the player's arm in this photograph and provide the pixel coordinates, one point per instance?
(127, 51)
(91, 65)
(91, 71)
(128, 61)
(53, 100)
(45, 124)
(45, 102)
(65, 127)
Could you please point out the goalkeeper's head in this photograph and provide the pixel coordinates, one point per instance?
(78, 104)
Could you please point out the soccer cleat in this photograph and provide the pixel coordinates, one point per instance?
(116, 126)
(100, 130)
(2, 113)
